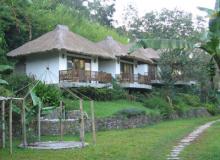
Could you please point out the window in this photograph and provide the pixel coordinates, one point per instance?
(127, 68)
(78, 63)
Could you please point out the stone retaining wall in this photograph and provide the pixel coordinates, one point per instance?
(52, 127)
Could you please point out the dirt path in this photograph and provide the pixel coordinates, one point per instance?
(175, 152)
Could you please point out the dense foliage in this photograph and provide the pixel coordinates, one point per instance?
(131, 112)
(101, 94)
(176, 24)
(49, 94)
(24, 20)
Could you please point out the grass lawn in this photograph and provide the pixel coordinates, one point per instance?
(150, 143)
(207, 147)
(108, 108)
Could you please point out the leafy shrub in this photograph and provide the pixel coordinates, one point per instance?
(212, 108)
(5, 92)
(131, 112)
(167, 112)
(140, 96)
(71, 104)
(191, 100)
(18, 81)
(101, 94)
(155, 102)
(181, 108)
(49, 94)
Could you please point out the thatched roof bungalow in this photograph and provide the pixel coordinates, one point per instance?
(55, 51)
(63, 56)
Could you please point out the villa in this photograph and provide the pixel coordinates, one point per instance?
(135, 70)
(63, 57)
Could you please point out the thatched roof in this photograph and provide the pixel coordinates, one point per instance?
(120, 50)
(61, 38)
(152, 54)
(113, 47)
(139, 54)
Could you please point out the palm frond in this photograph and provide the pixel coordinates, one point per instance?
(5, 68)
(3, 82)
(209, 11)
(162, 44)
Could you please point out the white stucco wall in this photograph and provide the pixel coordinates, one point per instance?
(135, 69)
(142, 69)
(62, 61)
(94, 64)
(36, 65)
(109, 66)
(118, 68)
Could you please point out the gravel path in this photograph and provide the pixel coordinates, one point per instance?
(175, 152)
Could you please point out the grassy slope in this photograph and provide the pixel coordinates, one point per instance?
(76, 23)
(150, 143)
(108, 108)
(206, 148)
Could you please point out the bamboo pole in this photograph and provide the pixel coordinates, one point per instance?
(61, 120)
(3, 124)
(82, 131)
(10, 126)
(23, 122)
(39, 123)
(93, 122)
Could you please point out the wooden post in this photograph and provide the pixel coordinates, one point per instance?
(61, 120)
(3, 124)
(23, 122)
(82, 131)
(93, 122)
(10, 126)
(39, 123)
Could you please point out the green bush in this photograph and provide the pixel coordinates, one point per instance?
(183, 102)
(167, 112)
(155, 102)
(131, 112)
(191, 100)
(5, 92)
(71, 104)
(213, 109)
(140, 96)
(17, 82)
(49, 94)
(101, 94)
(181, 108)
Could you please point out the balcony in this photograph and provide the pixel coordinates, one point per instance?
(128, 80)
(133, 78)
(82, 78)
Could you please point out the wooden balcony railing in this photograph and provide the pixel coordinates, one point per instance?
(103, 77)
(84, 76)
(132, 78)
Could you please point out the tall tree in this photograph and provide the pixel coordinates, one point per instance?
(102, 11)
(209, 43)
(176, 24)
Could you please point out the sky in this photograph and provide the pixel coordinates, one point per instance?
(144, 6)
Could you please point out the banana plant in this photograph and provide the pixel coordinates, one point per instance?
(209, 43)
(31, 107)
(4, 69)
(37, 102)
